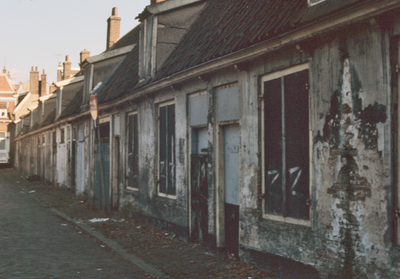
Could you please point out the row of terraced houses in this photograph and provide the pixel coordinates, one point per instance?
(265, 128)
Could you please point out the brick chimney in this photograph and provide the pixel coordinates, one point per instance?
(59, 72)
(67, 68)
(114, 22)
(84, 55)
(4, 70)
(43, 84)
(34, 83)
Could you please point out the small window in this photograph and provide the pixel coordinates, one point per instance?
(166, 151)
(3, 113)
(62, 135)
(286, 154)
(132, 152)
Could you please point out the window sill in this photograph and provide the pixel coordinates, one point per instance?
(289, 220)
(172, 197)
(131, 189)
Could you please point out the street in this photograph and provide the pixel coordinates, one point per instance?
(35, 243)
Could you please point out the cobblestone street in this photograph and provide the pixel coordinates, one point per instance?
(34, 243)
(45, 232)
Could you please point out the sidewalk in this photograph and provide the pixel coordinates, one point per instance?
(159, 254)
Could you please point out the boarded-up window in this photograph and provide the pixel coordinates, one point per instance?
(133, 151)
(286, 145)
(167, 160)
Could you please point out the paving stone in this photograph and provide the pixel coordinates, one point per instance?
(34, 243)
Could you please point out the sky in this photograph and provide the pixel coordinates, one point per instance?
(41, 33)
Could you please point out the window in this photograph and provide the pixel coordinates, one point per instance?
(166, 150)
(133, 151)
(285, 145)
(62, 135)
(2, 140)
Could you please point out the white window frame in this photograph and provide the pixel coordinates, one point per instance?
(265, 215)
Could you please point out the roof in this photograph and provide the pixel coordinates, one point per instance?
(128, 39)
(124, 77)
(74, 107)
(49, 119)
(6, 84)
(122, 80)
(228, 26)
(21, 97)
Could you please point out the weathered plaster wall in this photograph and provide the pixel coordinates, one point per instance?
(349, 99)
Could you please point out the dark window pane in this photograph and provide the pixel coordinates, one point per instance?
(130, 150)
(2, 144)
(163, 150)
(297, 144)
(135, 144)
(273, 146)
(171, 149)
(167, 150)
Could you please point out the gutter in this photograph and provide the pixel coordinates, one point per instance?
(347, 16)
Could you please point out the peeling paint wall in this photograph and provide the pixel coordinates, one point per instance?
(350, 96)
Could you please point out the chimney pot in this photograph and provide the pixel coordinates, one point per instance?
(36, 69)
(4, 70)
(115, 11)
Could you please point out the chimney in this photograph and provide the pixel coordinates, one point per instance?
(59, 72)
(4, 70)
(67, 68)
(34, 83)
(114, 22)
(43, 84)
(84, 55)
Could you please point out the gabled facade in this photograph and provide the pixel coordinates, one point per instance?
(264, 128)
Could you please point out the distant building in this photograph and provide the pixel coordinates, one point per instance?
(7, 103)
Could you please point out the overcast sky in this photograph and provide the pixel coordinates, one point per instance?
(41, 32)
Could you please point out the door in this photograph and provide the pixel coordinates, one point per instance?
(80, 157)
(103, 155)
(231, 184)
(199, 186)
(115, 186)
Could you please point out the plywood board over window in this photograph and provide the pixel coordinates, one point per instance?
(286, 146)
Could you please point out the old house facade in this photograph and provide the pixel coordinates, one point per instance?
(7, 105)
(265, 128)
